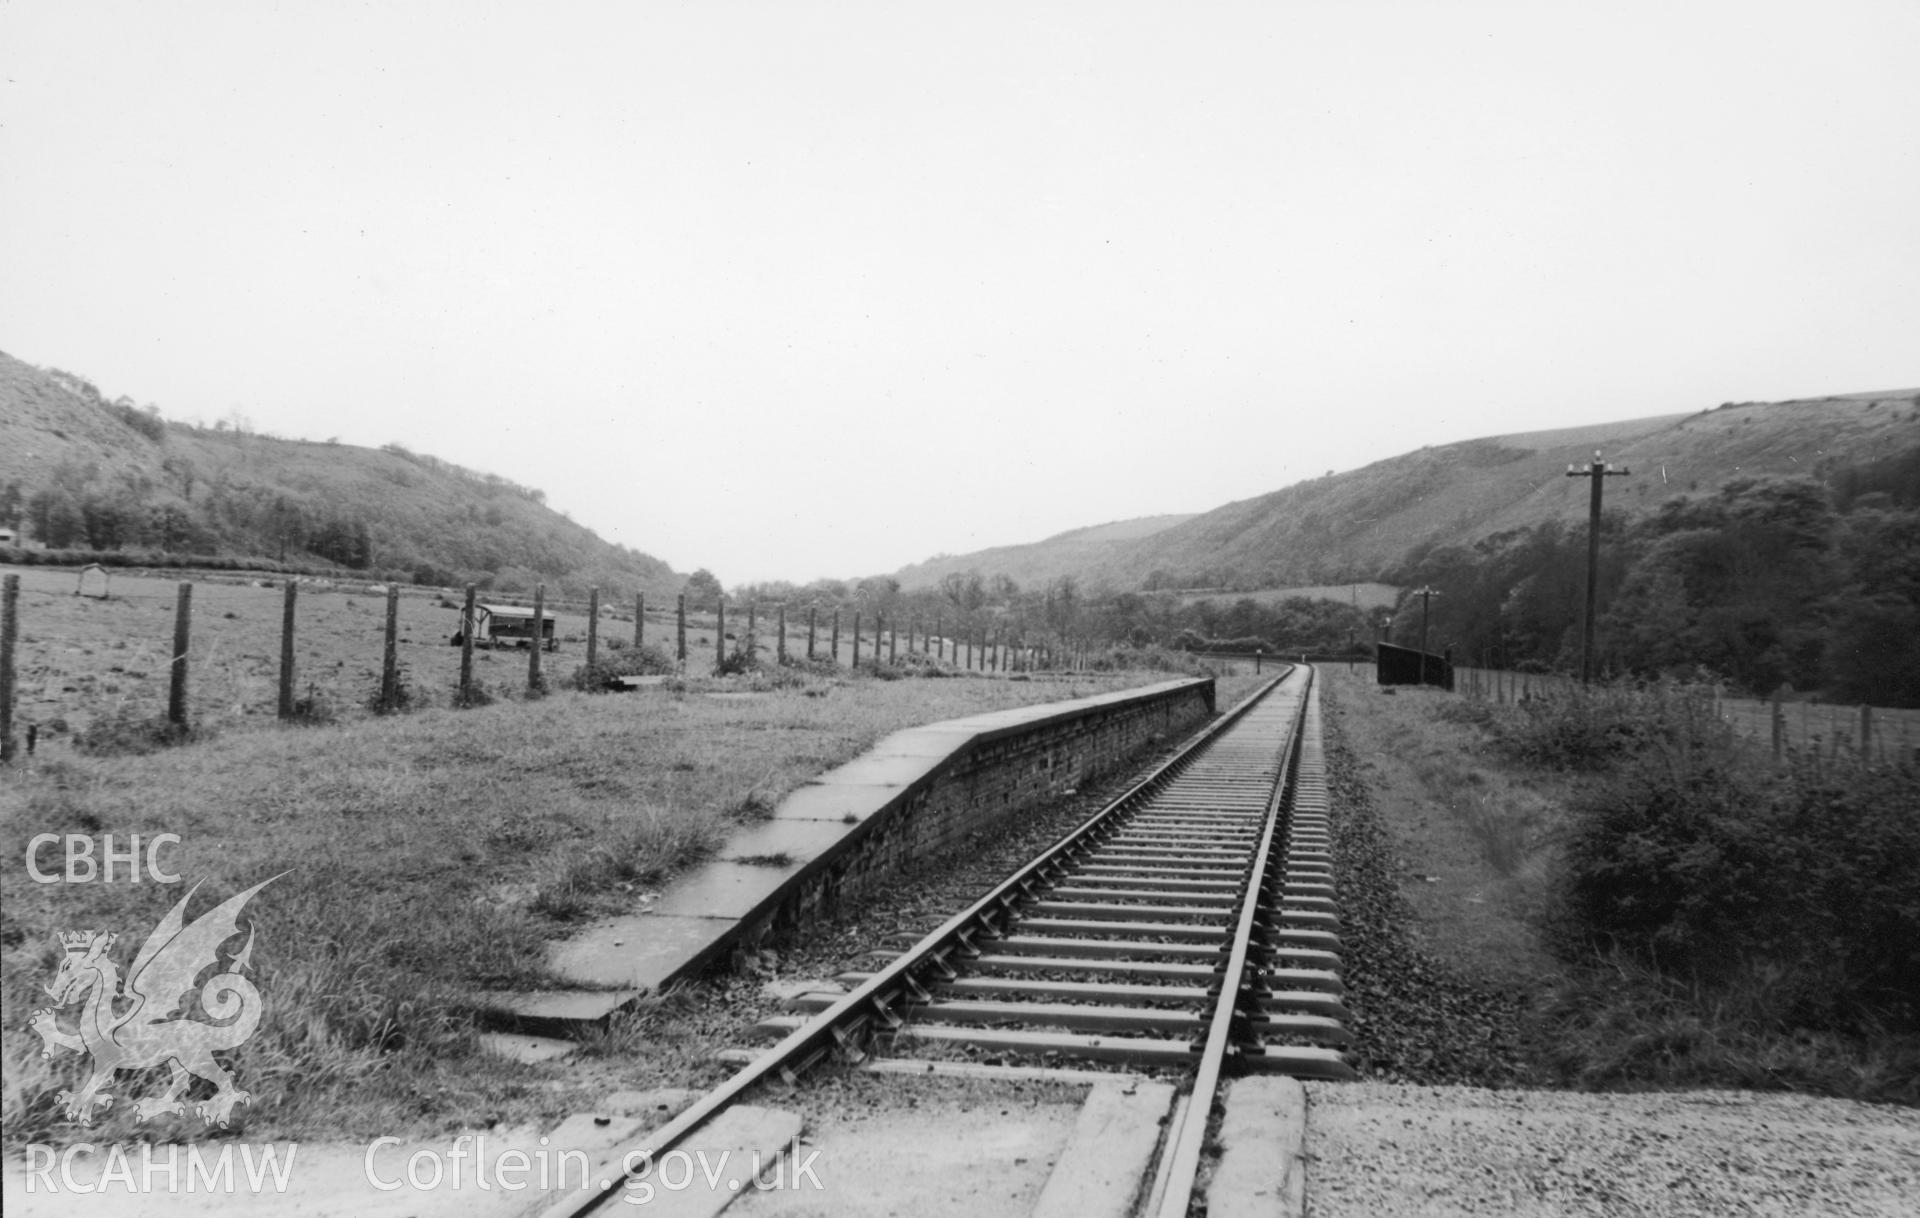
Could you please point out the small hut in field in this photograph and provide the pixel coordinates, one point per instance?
(509, 626)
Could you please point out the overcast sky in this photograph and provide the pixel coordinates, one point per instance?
(793, 289)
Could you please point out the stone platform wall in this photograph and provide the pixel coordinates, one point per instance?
(923, 791)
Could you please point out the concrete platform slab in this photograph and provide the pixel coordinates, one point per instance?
(934, 740)
(836, 802)
(1102, 1169)
(638, 951)
(799, 841)
(892, 770)
(722, 890)
(520, 1047)
(1263, 1135)
(557, 1007)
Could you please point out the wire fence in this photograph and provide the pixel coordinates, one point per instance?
(1805, 725)
(81, 647)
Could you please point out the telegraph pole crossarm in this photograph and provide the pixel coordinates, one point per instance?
(1597, 471)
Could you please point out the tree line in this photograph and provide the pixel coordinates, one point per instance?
(1763, 583)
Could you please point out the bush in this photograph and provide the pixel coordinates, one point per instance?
(620, 662)
(1589, 728)
(1148, 659)
(1706, 866)
(127, 733)
(739, 662)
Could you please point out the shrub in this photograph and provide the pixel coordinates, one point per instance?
(1709, 867)
(1589, 728)
(127, 733)
(620, 662)
(1148, 659)
(738, 662)
(405, 698)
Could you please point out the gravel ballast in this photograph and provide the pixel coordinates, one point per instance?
(1378, 1149)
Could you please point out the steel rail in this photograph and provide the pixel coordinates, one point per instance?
(1174, 1188)
(840, 1027)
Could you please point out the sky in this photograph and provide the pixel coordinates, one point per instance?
(801, 289)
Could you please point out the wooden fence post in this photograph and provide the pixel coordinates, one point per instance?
(593, 628)
(811, 611)
(177, 685)
(286, 650)
(466, 648)
(750, 644)
(390, 653)
(9, 630)
(940, 634)
(780, 625)
(680, 625)
(639, 620)
(719, 632)
(539, 637)
(836, 636)
(893, 645)
(856, 638)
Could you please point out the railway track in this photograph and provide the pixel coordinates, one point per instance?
(1189, 926)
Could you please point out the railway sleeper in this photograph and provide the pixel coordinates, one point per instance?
(1134, 1050)
(1113, 911)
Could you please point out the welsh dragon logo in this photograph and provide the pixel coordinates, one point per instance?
(154, 1021)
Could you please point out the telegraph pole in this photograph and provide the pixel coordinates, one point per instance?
(1597, 471)
(1426, 596)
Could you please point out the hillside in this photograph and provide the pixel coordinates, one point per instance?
(1359, 525)
(79, 471)
(1040, 561)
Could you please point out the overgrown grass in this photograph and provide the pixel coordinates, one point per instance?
(430, 855)
(1726, 920)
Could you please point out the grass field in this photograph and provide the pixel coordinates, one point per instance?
(426, 855)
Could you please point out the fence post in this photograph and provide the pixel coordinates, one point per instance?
(893, 645)
(836, 636)
(749, 644)
(9, 630)
(781, 626)
(593, 628)
(286, 651)
(390, 652)
(719, 632)
(466, 649)
(812, 611)
(177, 685)
(539, 637)
(680, 623)
(639, 620)
(856, 638)
(939, 633)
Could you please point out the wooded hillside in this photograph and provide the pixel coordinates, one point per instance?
(78, 471)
